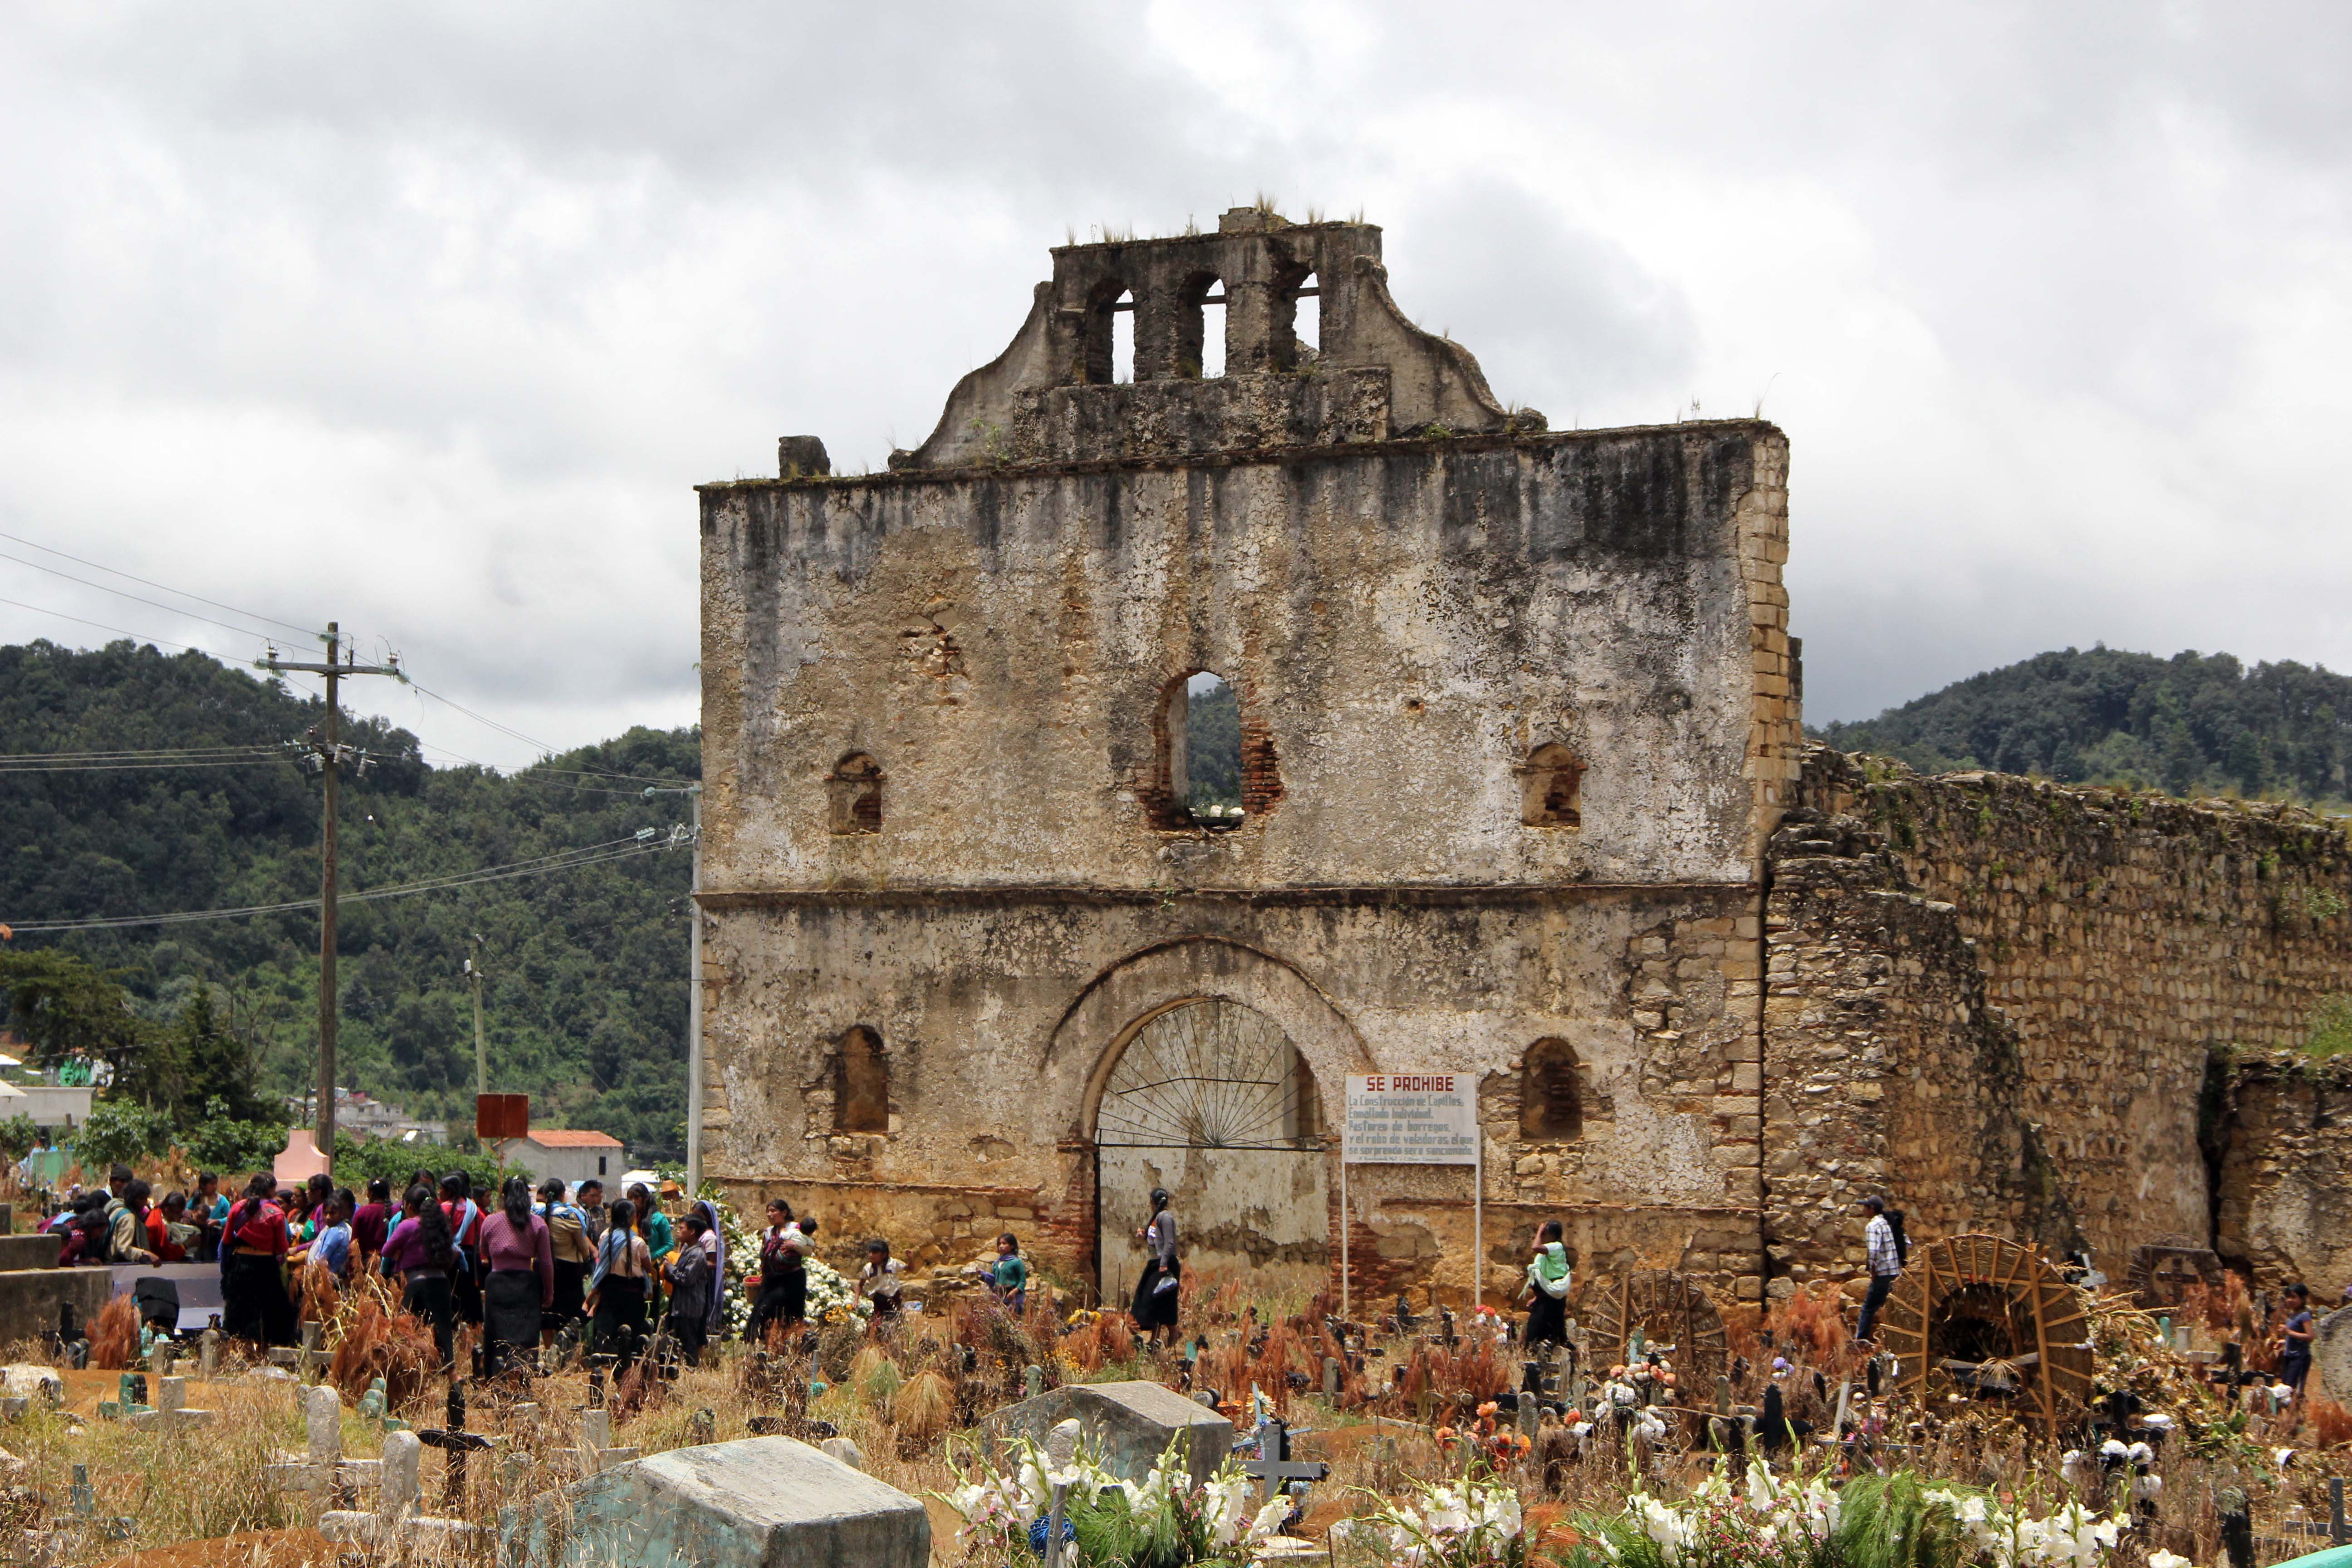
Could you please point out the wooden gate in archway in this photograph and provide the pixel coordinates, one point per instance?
(1211, 1100)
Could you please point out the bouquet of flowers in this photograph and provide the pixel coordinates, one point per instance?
(1161, 1522)
(1468, 1524)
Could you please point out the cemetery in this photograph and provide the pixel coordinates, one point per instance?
(2006, 1414)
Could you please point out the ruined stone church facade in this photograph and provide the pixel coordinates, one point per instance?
(1523, 794)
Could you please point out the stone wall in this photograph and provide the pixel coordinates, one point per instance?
(2123, 938)
(1885, 1070)
(2280, 1125)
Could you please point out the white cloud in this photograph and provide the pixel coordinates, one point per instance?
(427, 318)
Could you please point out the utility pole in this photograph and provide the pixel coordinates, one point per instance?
(327, 755)
(693, 793)
(481, 1051)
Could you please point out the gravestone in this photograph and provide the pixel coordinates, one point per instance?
(762, 1503)
(841, 1450)
(2331, 1352)
(1132, 1423)
(171, 1413)
(396, 1522)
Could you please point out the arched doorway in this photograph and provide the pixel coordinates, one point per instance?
(1212, 1100)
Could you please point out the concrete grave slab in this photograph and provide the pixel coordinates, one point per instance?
(1132, 1423)
(763, 1502)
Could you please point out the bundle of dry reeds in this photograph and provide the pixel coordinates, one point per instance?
(376, 1339)
(114, 1336)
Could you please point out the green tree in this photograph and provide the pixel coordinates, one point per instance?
(61, 1005)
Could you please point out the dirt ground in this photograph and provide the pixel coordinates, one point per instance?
(245, 1549)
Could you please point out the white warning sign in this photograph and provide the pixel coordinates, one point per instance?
(1412, 1118)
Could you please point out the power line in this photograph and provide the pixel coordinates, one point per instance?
(138, 598)
(132, 753)
(562, 860)
(166, 588)
(101, 625)
(6, 771)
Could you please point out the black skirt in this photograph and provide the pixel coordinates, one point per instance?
(1548, 1319)
(254, 1305)
(571, 1292)
(510, 1308)
(1155, 1308)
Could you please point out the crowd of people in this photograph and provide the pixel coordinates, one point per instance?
(523, 1266)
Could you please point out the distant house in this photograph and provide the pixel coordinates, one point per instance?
(561, 1151)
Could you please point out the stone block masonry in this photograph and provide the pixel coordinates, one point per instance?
(2119, 941)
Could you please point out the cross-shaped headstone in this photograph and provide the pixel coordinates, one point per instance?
(171, 1413)
(456, 1443)
(396, 1520)
(597, 1453)
(311, 1358)
(1273, 1466)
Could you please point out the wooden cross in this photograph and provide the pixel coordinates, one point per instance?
(456, 1443)
(1274, 1465)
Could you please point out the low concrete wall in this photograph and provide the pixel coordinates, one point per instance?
(29, 1252)
(29, 1298)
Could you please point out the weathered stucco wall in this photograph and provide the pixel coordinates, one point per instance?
(2123, 938)
(1403, 626)
(1001, 1014)
(1402, 623)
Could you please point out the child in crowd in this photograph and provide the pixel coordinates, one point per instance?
(879, 1281)
(1008, 1276)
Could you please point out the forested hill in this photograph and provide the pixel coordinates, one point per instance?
(587, 967)
(2191, 724)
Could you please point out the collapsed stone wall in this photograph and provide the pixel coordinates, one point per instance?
(2280, 1125)
(2124, 938)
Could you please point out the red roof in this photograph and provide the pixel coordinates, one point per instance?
(560, 1138)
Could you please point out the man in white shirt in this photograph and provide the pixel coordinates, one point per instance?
(1884, 1259)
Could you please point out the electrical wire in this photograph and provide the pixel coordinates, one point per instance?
(132, 753)
(563, 860)
(6, 772)
(166, 588)
(544, 748)
(101, 625)
(138, 598)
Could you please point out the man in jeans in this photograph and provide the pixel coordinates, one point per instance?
(1884, 1261)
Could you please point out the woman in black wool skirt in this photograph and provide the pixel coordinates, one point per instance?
(1547, 1281)
(1156, 1292)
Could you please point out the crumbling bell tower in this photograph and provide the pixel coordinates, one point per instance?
(1372, 375)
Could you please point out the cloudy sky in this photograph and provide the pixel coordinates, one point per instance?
(426, 317)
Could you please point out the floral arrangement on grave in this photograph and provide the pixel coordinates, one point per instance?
(1470, 1524)
(1484, 1437)
(1896, 1520)
(1164, 1521)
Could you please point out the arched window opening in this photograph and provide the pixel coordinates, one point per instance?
(854, 794)
(1550, 784)
(1298, 321)
(1201, 327)
(1122, 340)
(861, 1084)
(1551, 1094)
(1200, 734)
(1110, 334)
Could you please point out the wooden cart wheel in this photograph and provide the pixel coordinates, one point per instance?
(1668, 1309)
(1967, 1301)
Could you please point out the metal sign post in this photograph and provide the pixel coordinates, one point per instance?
(1414, 1119)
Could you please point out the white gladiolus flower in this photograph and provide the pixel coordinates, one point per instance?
(1269, 1520)
(2168, 1559)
